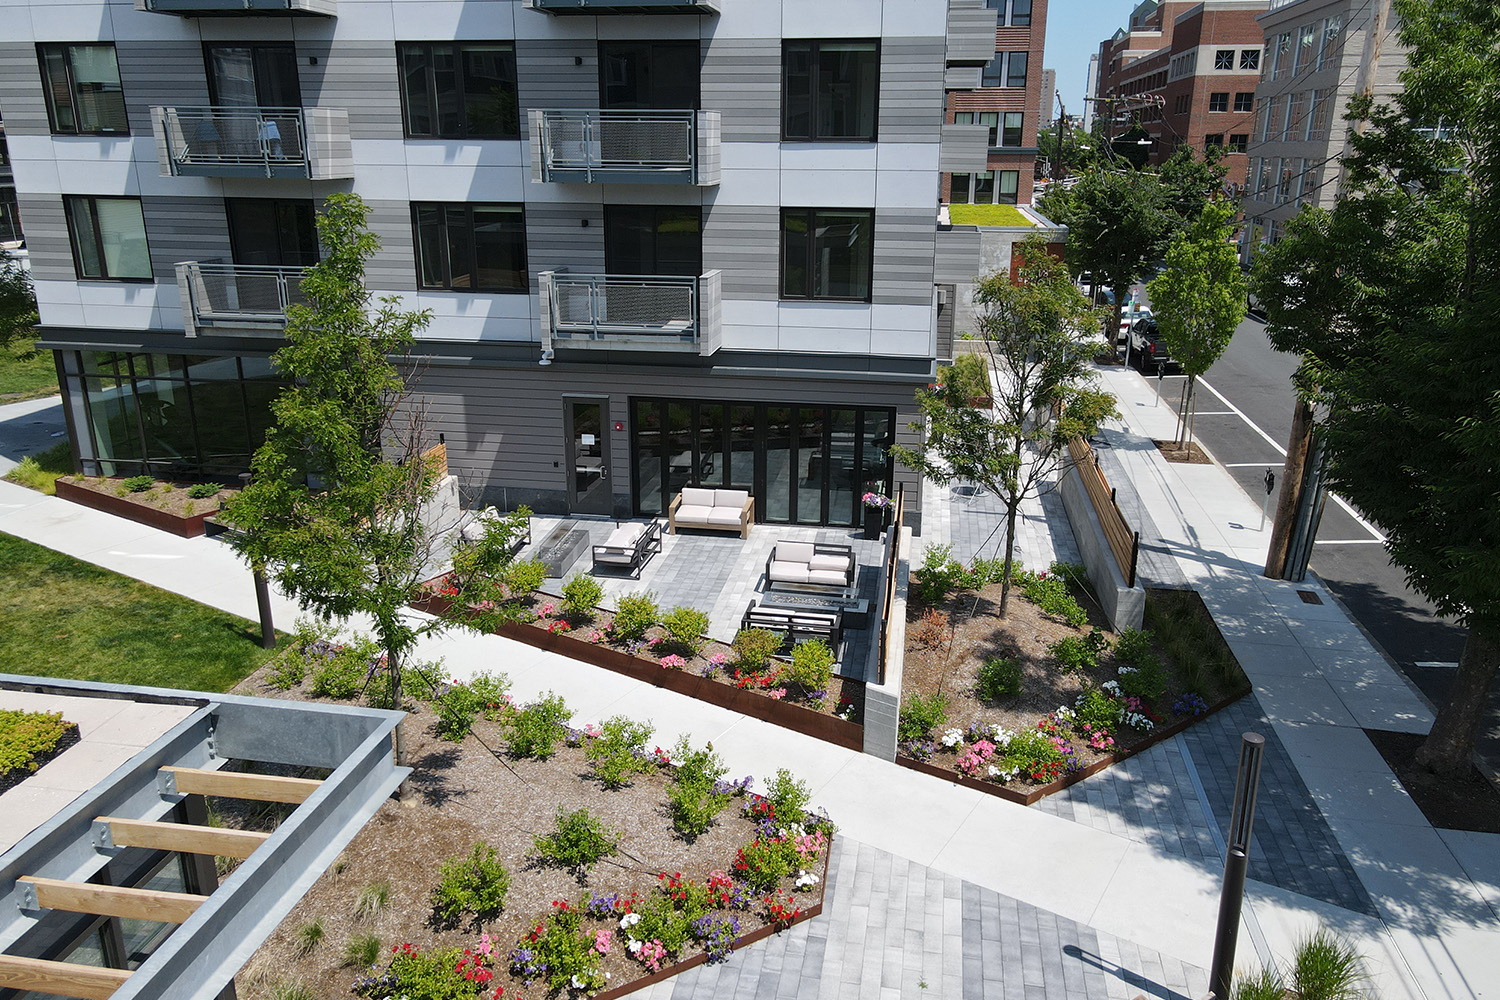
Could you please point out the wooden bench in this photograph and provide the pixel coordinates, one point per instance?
(797, 623)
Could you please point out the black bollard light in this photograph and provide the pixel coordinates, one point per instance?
(263, 605)
(1236, 862)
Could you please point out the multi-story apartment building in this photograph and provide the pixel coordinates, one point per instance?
(1006, 98)
(1197, 86)
(1318, 52)
(10, 215)
(664, 242)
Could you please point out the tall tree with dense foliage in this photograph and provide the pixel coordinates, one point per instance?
(1391, 300)
(341, 508)
(1199, 299)
(18, 316)
(1190, 182)
(1118, 224)
(1034, 335)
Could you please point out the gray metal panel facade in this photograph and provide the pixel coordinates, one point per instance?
(903, 256)
(744, 241)
(46, 229)
(556, 238)
(21, 98)
(741, 79)
(957, 258)
(181, 228)
(547, 76)
(359, 76)
(965, 149)
(164, 73)
(971, 31)
(394, 268)
(911, 89)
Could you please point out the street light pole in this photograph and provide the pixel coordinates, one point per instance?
(1236, 864)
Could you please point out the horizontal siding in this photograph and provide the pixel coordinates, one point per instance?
(359, 76)
(556, 238)
(394, 268)
(741, 79)
(904, 257)
(957, 258)
(548, 77)
(180, 228)
(911, 89)
(21, 99)
(161, 74)
(46, 229)
(744, 241)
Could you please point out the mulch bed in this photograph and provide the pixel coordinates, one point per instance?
(164, 496)
(16, 775)
(1191, 455)
(462, 793)
(1467, 801)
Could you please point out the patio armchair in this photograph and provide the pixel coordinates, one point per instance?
(629, 546)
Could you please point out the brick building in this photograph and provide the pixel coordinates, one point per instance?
(1008, 98)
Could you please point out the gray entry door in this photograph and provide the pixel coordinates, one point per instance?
(587, 451)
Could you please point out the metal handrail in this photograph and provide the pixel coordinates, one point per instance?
(599, 306)
(242, 293)
(613, 141)
(236, 136)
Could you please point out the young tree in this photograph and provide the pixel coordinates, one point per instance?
(340, 509)
(1118, 224)
(1390, 299)
(1199, 299)
(18, 316)
(1189, 183)
(1035, 335)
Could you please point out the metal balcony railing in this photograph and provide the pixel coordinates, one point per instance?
(709, 7)
(211, 8)
(644, 147)
(220, 140)
(624, 306)
(239, 297)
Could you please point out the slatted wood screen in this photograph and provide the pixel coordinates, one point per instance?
(888, 592)
(1123, 542)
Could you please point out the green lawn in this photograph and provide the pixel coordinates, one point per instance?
(60, 617)
(26, 378)
(986, 215)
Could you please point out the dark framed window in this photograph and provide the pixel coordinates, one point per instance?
(472, 248)
(82, 87)
(656, 75)
(255, 75)
(458, 91)
(827, 253)
(108, 237)
(272, 232)
(1218, 100)
(989, 118)
(830, 90)
(1015, 68)
(652, 239)
(1244, 101)
(1010, 132)
(1249, 58)
(1224, 59)
(1239, 142)
(1007, 186)
(1213, 139)
(993, 72)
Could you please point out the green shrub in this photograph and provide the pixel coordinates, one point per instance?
(202, 491)
(969, 374)
(1030, 752)
(788, 797)
(289, 670)
(343, 672)
(524, 577)
(371, 899)
(984, 571)
(619, 751)
(1134, 647)
(419, 975)
(764, 862)
(938, 575)
(138, 484)
(309, 936)
(1325, 967)
(811, 668)
(456, 709)
(475, 884)
(492, 689)
(754, 647)
(635, 615)
(1076, 653)
(661, 921)
(920, 716)
(999, 677)
(1049, 592)
(694, 796)
(1263, 985)
(362, 951)
(1099, 710)
(568, 954)
(1148, 682)
(581, 595)
(579, 841)
(685, 628)
(25, 736)
(535, 729)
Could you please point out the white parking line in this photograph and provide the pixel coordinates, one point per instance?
(1349, 541)
(1282, 452)
(1250, 465)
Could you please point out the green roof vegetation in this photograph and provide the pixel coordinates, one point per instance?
(987, 215)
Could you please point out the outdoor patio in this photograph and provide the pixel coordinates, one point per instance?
(722, 573)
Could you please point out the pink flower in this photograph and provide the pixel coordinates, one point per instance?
(673, 662)
(777, 693)
(602, 940)
(718, 659)
(547, 610)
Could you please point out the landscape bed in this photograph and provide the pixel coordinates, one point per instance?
(161, 505)
(29, 740)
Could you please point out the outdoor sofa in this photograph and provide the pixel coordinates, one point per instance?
(713, 509)
(630, 546)
(816, 565)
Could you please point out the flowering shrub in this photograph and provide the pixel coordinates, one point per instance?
(1034, 754)
(806, 880)
(782, 909)
(1191, 703)
(651, 954)
(559, 952)
(952, 739)
(445, 974)
(971, 762)
(619, 751)
(1098, 739)
(919, 749)
(536, 728)
(696, 796)
(715, 663)
(559, 625)
(608, 904)
(764, 862)
(776, 693)
(717, 932)
(1138, 714)
(1097, 710)
(877, 500)
(845, 709)
(602, 941)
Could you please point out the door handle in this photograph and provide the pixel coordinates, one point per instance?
(603, 475)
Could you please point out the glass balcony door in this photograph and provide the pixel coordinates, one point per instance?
(272, 231)
(649, 76)
(251, 76)
(642, 239)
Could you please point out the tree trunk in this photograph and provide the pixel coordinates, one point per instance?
(1114, 331)
(1185, 410)
(1010, 552)
(1192, 411)
(1285, 523)
(393, 672)
(1449, 747)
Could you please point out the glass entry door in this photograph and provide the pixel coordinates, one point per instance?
(587, 446)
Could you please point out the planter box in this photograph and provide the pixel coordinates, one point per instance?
(828, 728)
(189, 526)
(1038, 792)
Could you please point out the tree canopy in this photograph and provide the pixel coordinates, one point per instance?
(18, 315)
(1118, 223)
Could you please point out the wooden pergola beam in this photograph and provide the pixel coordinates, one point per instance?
(64, 979)
(183, 837)
(114, 900)
(235, 785)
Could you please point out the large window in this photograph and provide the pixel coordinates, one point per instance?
(1218, 100)
(657, 240)
(472, 248)
(1007, 69)
(990, 118)
(459, 91)
(1224, 59)
(1281, 56)
(82, 85)
(109, 238)
(1244, 100)
(1307, 48)
(1013, 12)
(827, 253)
(1010, 134)
(1249, 58)
(1007, 185)
(1329, 50)
(829, 90)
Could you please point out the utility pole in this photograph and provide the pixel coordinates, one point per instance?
(1059, 171)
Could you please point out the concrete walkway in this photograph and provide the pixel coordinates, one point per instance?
(1436, 934)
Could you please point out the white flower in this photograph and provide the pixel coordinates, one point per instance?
(578, 984)
(806, 879)
(1000, 736)
(1063, 713)
(1125, 670)
(629, 920)
(1111, 688)
(634, 946)
(952, 738)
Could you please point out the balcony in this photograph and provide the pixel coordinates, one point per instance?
(230, 8)
(306, 143)
(625, 147)
(243, 300)
(631, 312)
(710, 7)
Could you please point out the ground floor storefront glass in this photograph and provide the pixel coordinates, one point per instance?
(170, 415)
(804, 464)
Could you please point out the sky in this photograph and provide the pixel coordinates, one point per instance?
(1074, 30)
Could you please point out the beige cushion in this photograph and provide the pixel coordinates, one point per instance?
(625, 536)
(798, 552)
(697, 497)
(838, 564)
(788, 572)
(724, 515)
(474, 531)
(730, 498)
(693, 514)
(613, 557)
(826, 576)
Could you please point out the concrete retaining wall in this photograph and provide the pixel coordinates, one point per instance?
(1125, 606)
(883, 701)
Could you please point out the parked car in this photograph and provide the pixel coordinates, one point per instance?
(1148, 351)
